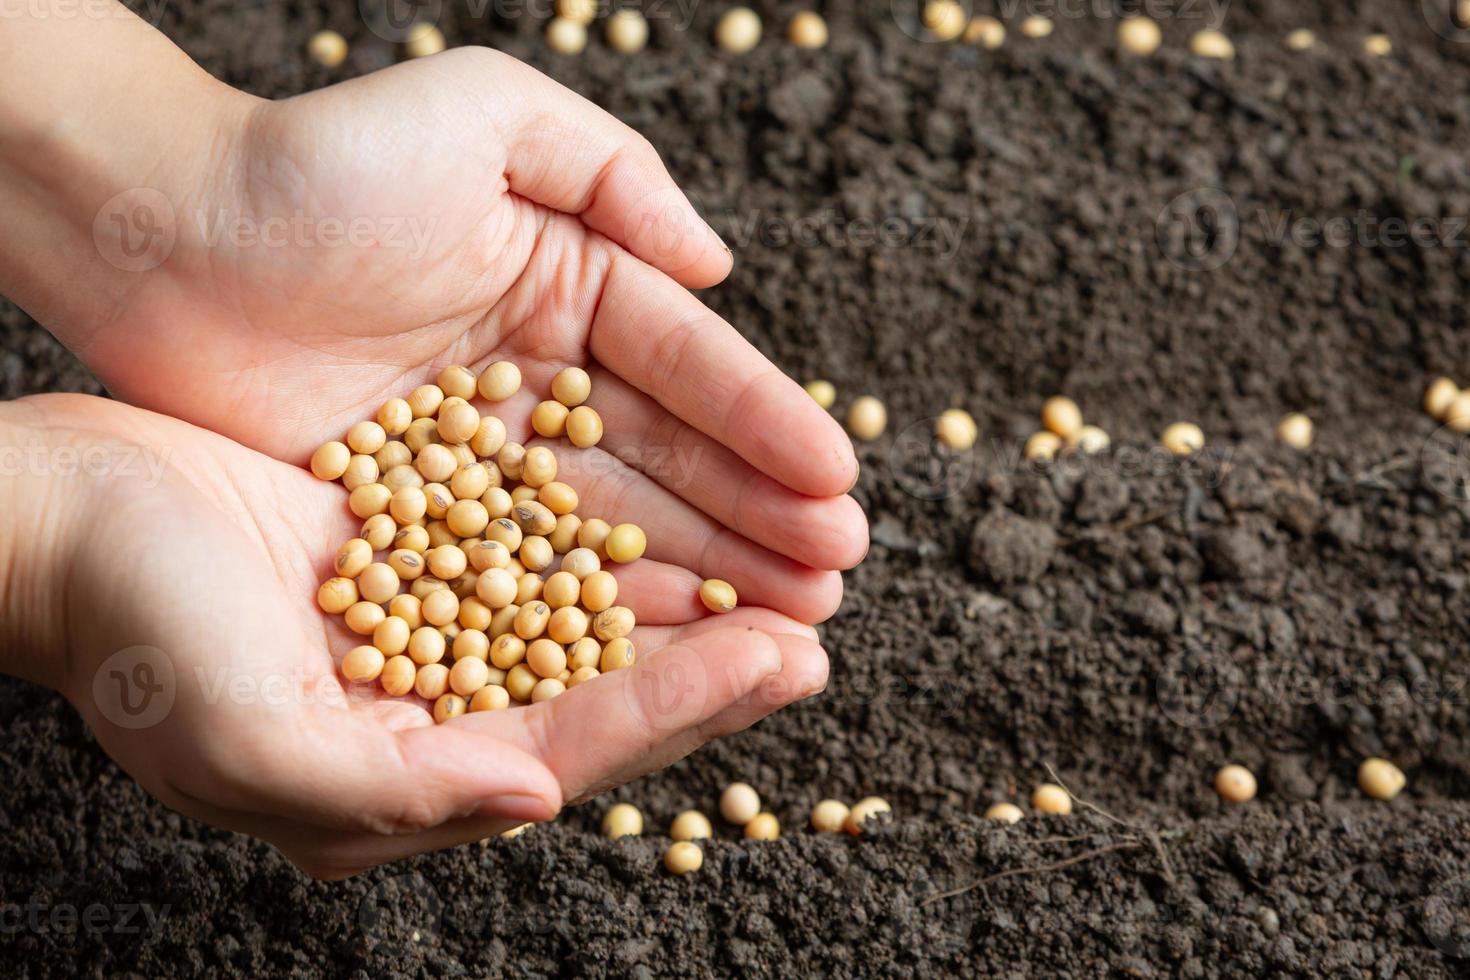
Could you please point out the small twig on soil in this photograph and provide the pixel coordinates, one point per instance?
(1373, 476)
(1149, 832)
(1040, 869)
(1141, 519)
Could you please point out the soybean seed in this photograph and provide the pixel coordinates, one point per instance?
(408, 608)
(366, 438)
(626, 543)
(522, 494)
(683, 858)
(506, 532)
(691, 825)
(403, 476)
(458, 422)
(467, 518)
(536, 553)
(738, 31)
(353, 557)
(441, 607)
(1140, 35)
(546, 657)
(1004, 813)
(507, 650)
(829, 816)
(1051, 798)
(499, 381)
(485, 555)
(559, 498)
(623, 820)
(421, 432)
(1061, 415)
(470, 482)
(584, 427)
(1211, 44)
(363, 664)
(534, 517)
(490, 698)
(567, 625)
(406, 563)
(873, 807)
(431, 682)
(521, 681)
(561, 589)
(391, 636)
(945, 19)
(593, 534)
(378, 531)
(824, 393)
(471, 643)
(423, 41)
(1300, 39)
(1377, 45)
(1380, 779)
(369, 499)
(426, 645)
(378, 582)
(413, 538)
(613, 623)
(549, 419)
(581, 11)
(327, 48)
(1042, 446)
(807, 30)
(361, 470)
(363, 617)
(424, 401)
(1457, 416)
(1235, 784)
(489, 437)
(581, 675)
(547, 688)
(446, 561)
(1037, 26)
(436, 463)
(1295, 430)
(956, 429)
(584, 653)
(717, 595)
(987, 32)
(1438, 397)
(531, 621)
(763, 826)
(627, 31)
(393, 454)
(616, 655)
(336, 595)
(563, 537)
(330, 460)
(468, 675)
(538, 467)
(740, 803)
(571, 386)
(1183, 438)
(398, 676)
(867, 418)
(448, 706)
(496, 587)
(1090, 439)
(581, 563)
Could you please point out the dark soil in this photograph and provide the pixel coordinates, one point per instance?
(1132, 624)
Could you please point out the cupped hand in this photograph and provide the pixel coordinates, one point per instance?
(200, 559)
(497, 216)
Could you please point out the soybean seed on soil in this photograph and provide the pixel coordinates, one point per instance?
(1323, 576)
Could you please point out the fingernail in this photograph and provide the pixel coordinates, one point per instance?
(857, 474)
(518, 806)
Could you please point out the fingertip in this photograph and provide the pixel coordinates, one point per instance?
(845, 533)
(806, 666)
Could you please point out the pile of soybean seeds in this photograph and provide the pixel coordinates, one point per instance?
(459, 525)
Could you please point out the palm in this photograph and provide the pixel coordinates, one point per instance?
(261, 737)
(728, 461)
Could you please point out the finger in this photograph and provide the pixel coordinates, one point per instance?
(644, 717)
(650, 637)
(566, 153)
(659, 593)
(651, 332)
(348, 771)
(680, 534)
(824, 532)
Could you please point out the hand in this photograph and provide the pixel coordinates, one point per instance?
(210, 554)
(505, 218)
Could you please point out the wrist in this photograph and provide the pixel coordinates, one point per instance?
(109, 134)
